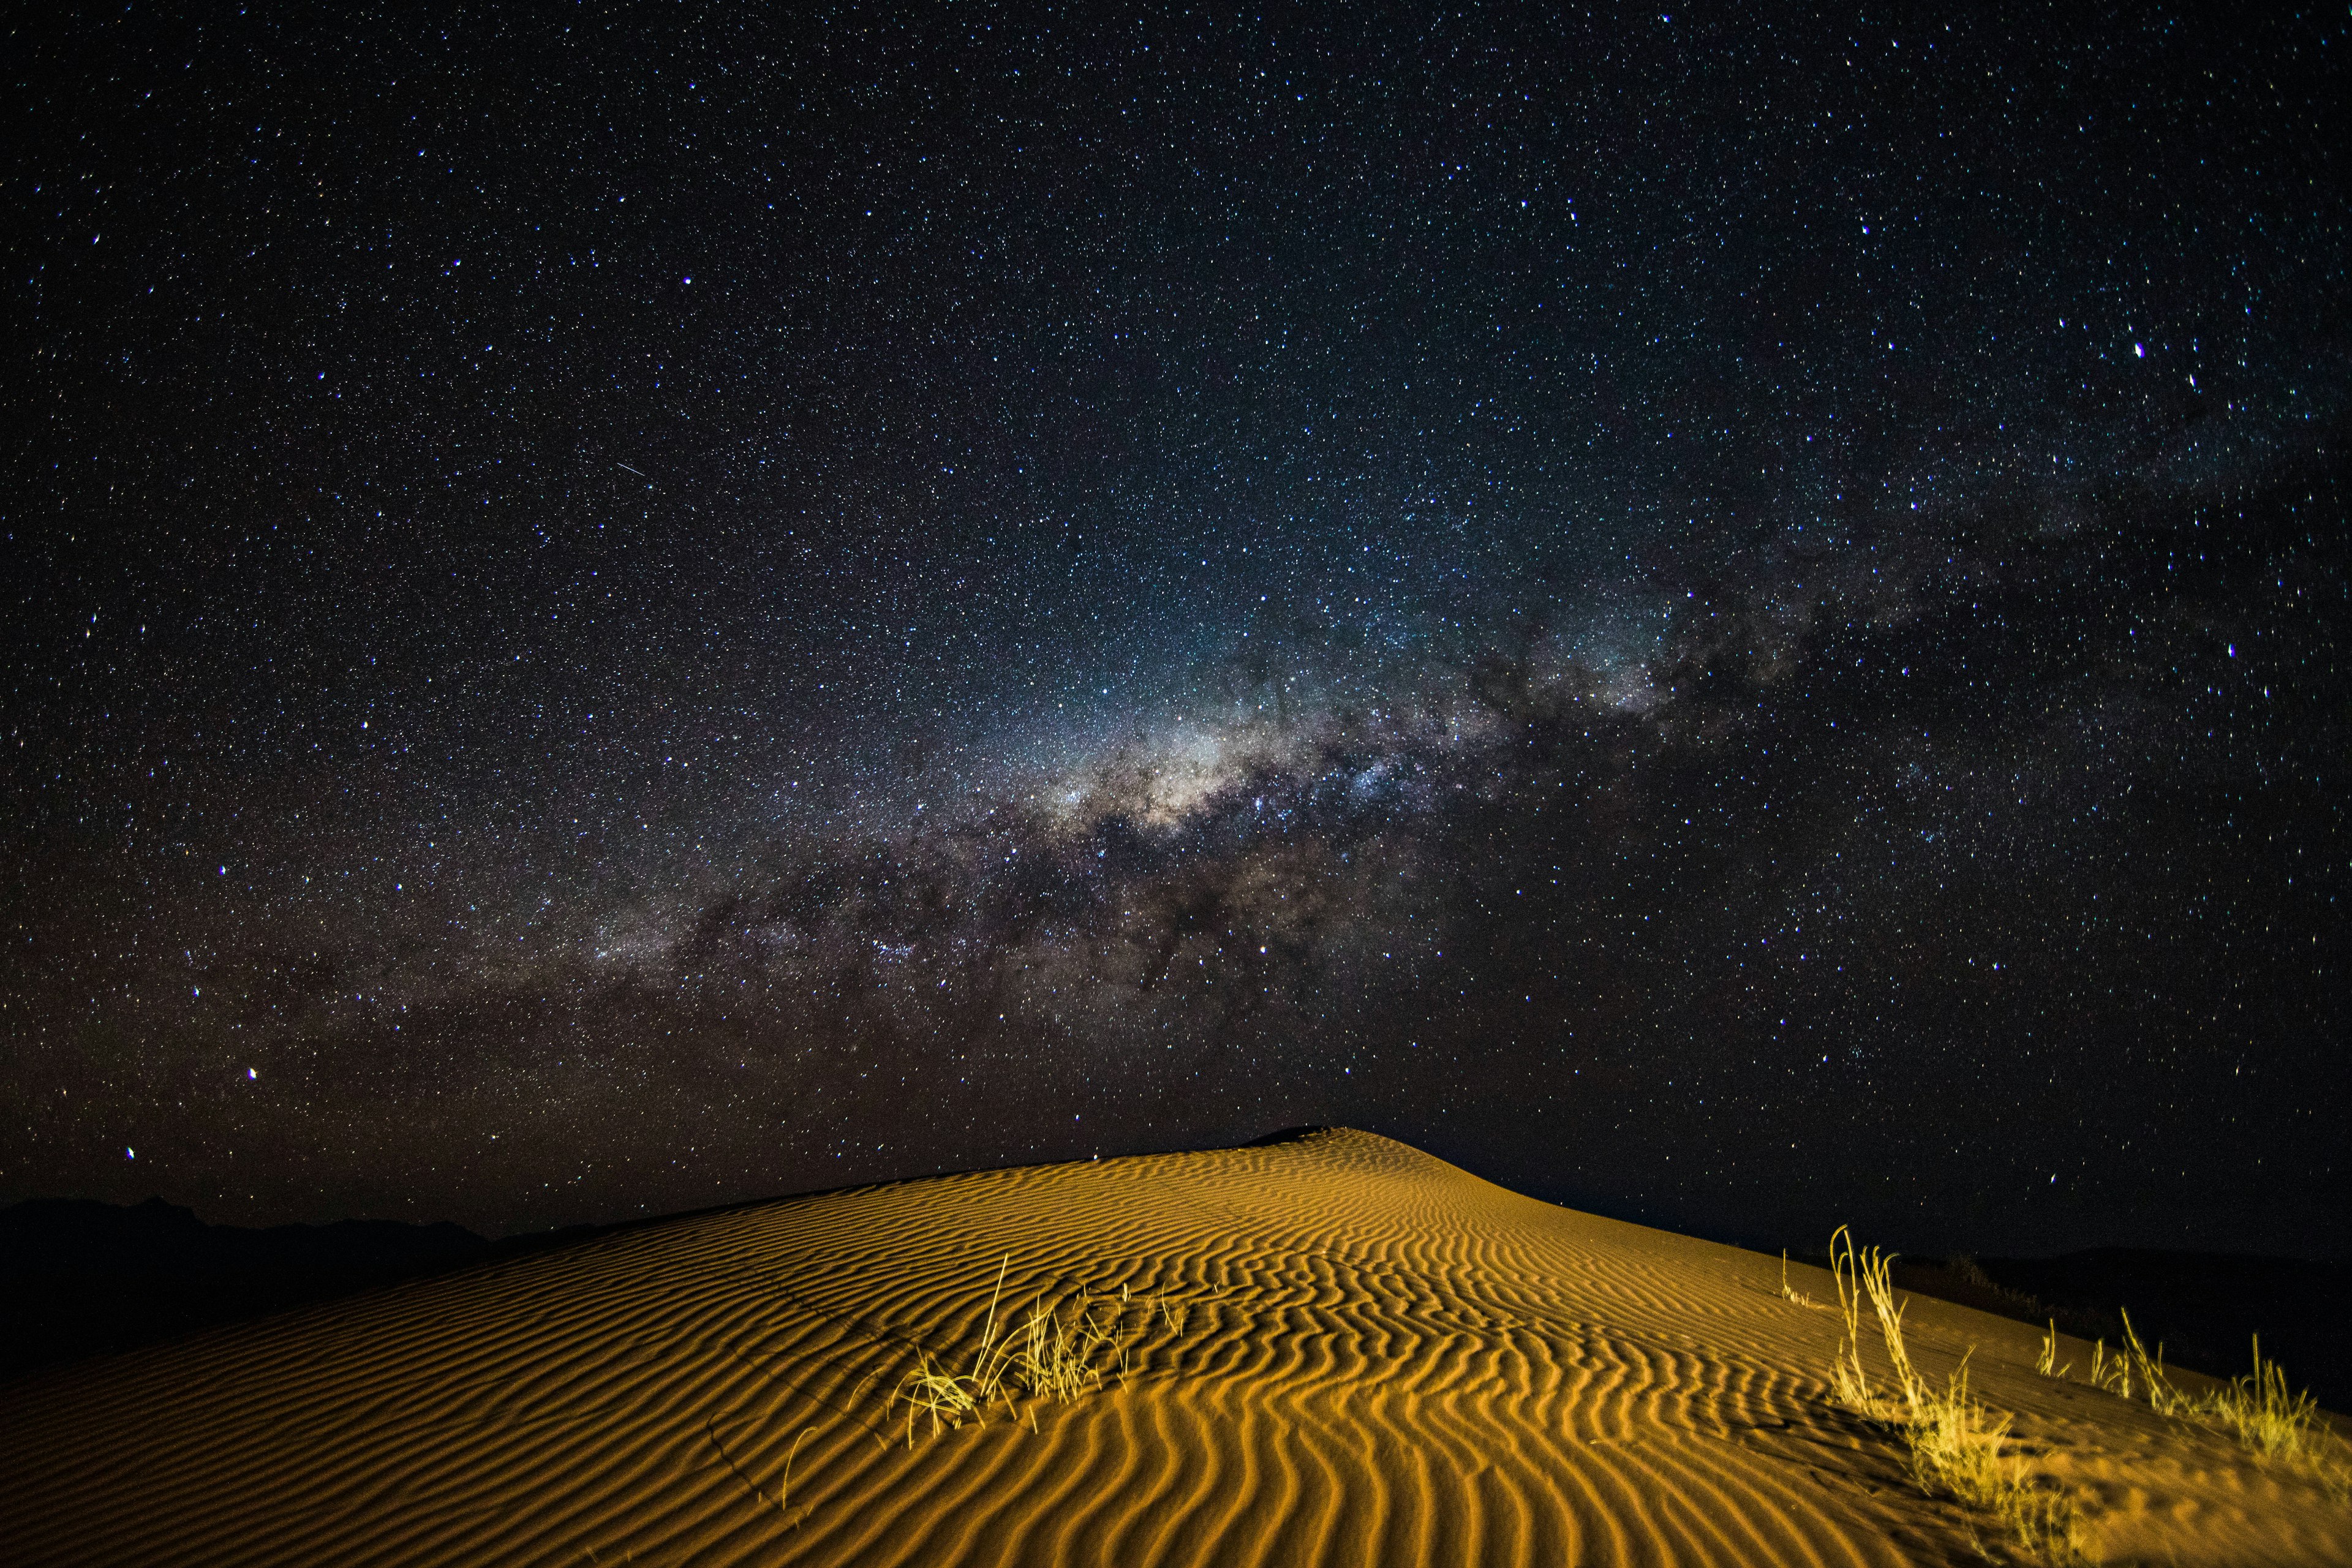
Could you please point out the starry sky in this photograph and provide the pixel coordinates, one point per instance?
(1736, 619)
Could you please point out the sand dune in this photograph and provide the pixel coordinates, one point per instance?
(1385, 1360)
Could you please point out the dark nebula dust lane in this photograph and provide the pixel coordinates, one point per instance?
(1738, 623)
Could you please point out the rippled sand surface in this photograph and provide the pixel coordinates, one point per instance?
(1381, 1360)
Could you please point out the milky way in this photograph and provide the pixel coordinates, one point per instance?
(1737, 625)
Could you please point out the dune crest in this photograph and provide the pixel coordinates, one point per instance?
(1381, 1359)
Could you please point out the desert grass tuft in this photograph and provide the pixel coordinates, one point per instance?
(2048, 1364)
(1957, 1449)
(2160, 1392)
(1062, 1357)
(1058, 1360)
(2267, 1418)
(1848, 1378)
(1864, 1276)
(1955, 1442)
(2133, 1370)
(2260, 1409)
(2277, 1424)
(1062, 1350)
(2044, 1523)
(948, 1397)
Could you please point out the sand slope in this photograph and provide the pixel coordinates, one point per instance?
(1386, 1361)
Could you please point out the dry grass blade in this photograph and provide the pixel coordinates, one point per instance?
(784, 1486)
(1788, 1292)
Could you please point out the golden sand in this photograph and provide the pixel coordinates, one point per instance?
(1381, 1360)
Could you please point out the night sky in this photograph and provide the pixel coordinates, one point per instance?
(1736, 619)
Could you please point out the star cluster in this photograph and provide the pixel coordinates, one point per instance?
(1729, 621)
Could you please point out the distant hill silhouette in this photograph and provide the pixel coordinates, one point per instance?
(80, 1277)
(2205, 1307)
